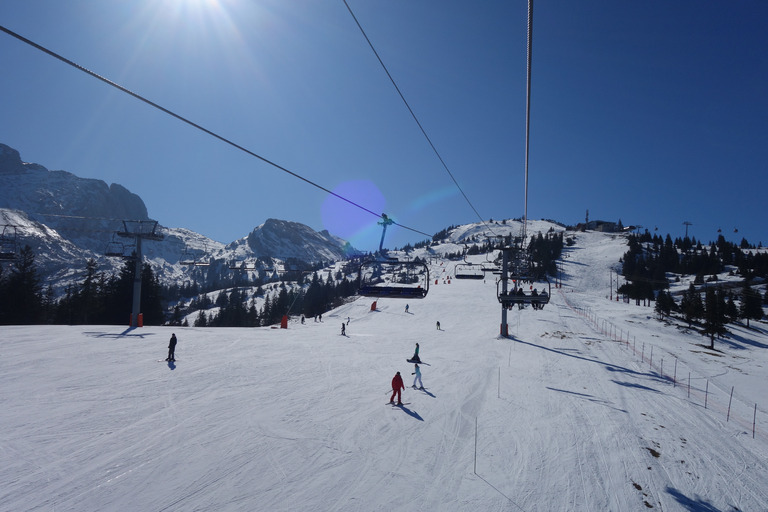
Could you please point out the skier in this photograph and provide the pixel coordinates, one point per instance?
(347, 320)
(438, 325)
(417, 373)
(406, 308)
(302, 319)
(172, 348)
(397, 387)
(415, 358)
(343, 329)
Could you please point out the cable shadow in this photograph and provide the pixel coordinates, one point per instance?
(498, 491)
(694, 505)
(636, 386)
(591, 398)
(608, 366)
(125, 334)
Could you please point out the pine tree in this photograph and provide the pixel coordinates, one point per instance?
(22, 291)
(664, 304)
(691, 305)
(751, 307)
(201, 320)
(90, 300)
(714, 318)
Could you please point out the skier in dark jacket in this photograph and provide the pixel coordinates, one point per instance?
(343, 329)
(172, 348)
(397, 387)
(415, 358)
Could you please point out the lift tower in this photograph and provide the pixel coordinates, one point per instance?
(138, 230)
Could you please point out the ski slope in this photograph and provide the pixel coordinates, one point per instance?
(559, 417)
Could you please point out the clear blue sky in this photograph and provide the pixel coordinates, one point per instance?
(651, 112)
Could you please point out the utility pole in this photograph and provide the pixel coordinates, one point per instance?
(504, 275)
(686, 227)
(138, 230)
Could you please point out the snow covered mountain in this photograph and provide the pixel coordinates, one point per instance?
(284, 239)
(78, 208)
(66, 220)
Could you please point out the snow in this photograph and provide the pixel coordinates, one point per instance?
(568, 414)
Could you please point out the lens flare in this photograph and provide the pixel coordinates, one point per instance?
(350, 223)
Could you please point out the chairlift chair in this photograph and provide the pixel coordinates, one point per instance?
(522, 277)
(393, 278)
(244, 267)
(468, 271)
(192, 260)
(518, 296)
(9, 247)
(115, 250)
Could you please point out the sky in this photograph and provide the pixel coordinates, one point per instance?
(588, 406)
(653, 113)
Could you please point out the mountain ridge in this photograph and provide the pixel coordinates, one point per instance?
(65, 218)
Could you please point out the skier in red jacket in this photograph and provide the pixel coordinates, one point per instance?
(397, 387)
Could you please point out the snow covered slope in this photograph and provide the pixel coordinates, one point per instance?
(563, 416)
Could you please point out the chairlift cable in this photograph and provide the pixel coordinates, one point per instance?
(528, 112)
(408, 106)
(194, 125)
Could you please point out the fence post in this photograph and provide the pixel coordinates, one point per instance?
(674, 379)
(475, 445)
(706, 394)
(728, 416)
(754, 417)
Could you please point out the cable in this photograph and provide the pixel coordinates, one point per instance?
(528, 111)
(414, 117)
(195, 125)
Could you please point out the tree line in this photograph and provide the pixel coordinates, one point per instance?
(99, 298)
(102, 298)
(706, 302)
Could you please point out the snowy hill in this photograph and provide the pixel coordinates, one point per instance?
(592, 405)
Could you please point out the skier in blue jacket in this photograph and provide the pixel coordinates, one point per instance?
(417, 373)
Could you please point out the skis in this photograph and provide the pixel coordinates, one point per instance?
(398, 405)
